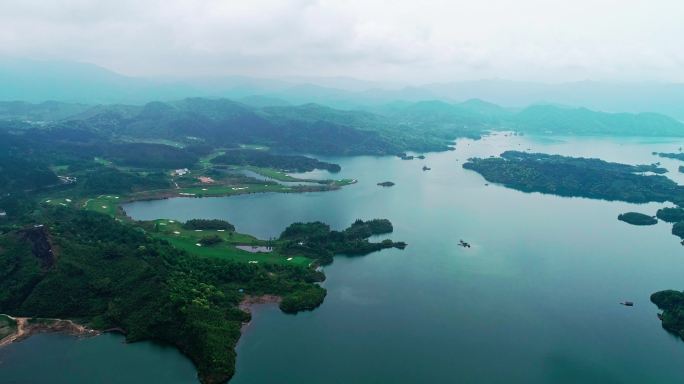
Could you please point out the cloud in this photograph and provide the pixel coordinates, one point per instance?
(402, 40)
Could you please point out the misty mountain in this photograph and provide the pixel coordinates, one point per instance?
(582, 121)
(39, 81)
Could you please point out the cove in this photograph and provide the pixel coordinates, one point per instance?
(62, 359)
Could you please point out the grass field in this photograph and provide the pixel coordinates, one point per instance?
(225, 190)
(255, 147)
(187, 240)
(63, 201)
(272, 173)
(205, 162)
(107, 204)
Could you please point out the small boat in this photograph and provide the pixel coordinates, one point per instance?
(426, 168)
(463, 244)
(628, 303)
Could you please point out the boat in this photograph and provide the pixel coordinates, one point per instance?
(426, 168)
(628, 303)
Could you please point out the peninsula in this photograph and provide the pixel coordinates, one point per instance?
(163, 280)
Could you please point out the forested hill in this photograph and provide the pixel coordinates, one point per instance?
(582, 121)
(225, 123)
(316, 129)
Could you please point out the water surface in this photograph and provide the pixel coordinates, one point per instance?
(534, 300)
(61, 359)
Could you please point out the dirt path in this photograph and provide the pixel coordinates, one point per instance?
(18, 334)
(249, 301)
(25, 329)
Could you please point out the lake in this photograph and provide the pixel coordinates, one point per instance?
(534, 300)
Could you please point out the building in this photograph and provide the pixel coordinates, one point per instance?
(67, 179)
(180, 172)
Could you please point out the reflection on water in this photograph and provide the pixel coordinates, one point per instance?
(534, 300)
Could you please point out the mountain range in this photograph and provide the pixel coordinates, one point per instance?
(39, 81)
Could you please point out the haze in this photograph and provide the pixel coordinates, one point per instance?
(405, 43)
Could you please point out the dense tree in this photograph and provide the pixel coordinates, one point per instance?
(570, 176)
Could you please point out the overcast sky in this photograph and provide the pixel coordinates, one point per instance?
(391, 40)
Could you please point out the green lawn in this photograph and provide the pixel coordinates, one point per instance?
(272, 173)
(225, 190)
(59, 168)
(170, 143)
(102, 161)
(187, 240)
(343, 182)
(205, 162)
(107, 204)
(63, 201)
(254, 146)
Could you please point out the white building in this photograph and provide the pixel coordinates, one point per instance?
(181, 172)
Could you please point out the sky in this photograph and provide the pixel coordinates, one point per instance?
(400, 41)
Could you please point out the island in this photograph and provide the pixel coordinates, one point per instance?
(676, 156)
(578, 177)
(386, 184)
(636, 218)
(671, 302)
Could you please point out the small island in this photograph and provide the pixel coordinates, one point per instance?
(386, 184)
(636, 218)
(671, 302)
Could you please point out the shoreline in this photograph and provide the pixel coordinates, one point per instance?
(249, 302)
(26, 328)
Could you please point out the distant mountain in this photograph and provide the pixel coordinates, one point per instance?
(38, 81)
(226, 123)
(665, 98)
(317, 129)
(45, 111)
(582, 121)
(260, 101)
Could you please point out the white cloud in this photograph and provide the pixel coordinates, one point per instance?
(399, 40)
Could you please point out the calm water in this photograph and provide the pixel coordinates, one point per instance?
(535, 300)
(62, 359)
